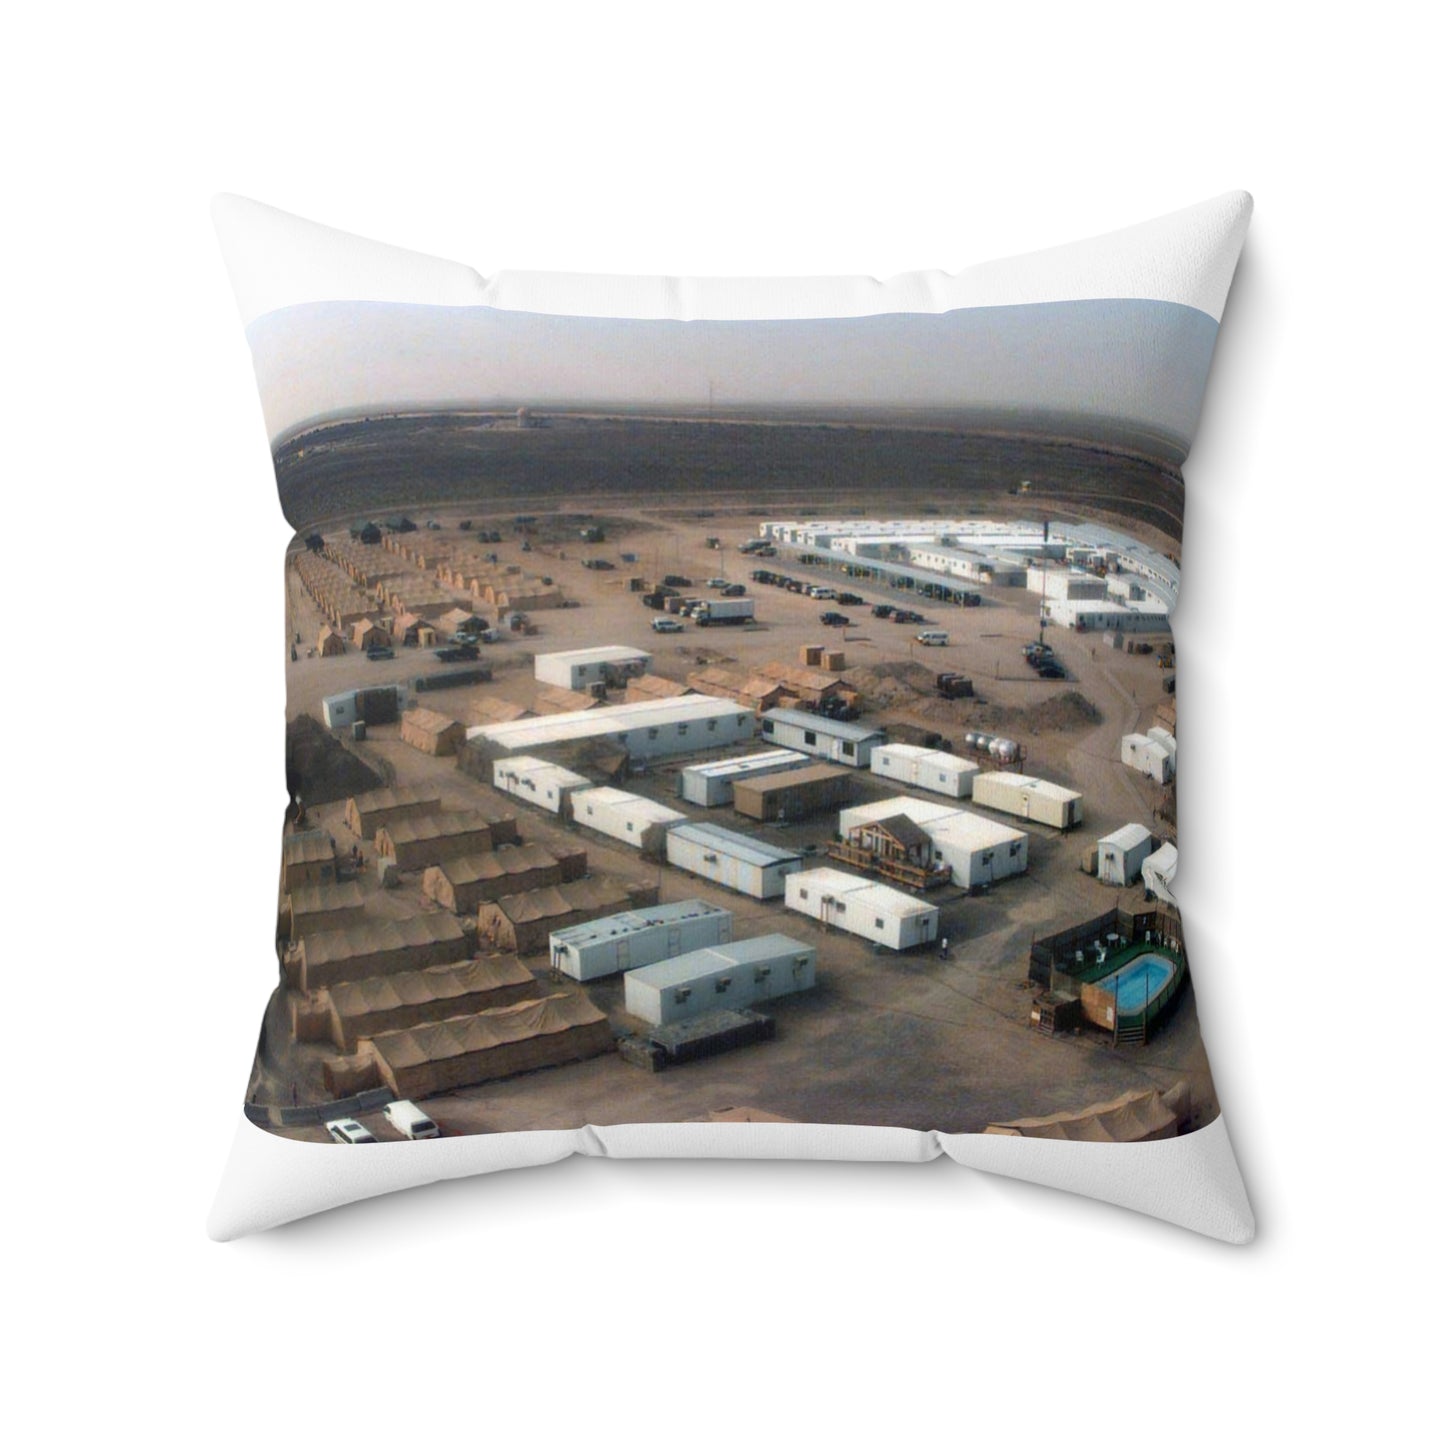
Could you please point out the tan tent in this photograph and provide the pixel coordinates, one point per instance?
(431, 838)
(521, 922)
(457, 1053)
(368, 634)
(489, 710)
(329, 643)
(373, 1006)
(379, 946)
(432, 732)
(648, 688)
(549, 699)
(745, 1114)
(463, 884)
(366, 812)
(321, 906)
(1132, 1118)
(308, 857)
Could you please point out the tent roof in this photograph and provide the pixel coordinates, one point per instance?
(442, 825)
(564, 898)
(474, 867)
(380, 935)
(1141, 1114)
(427, 985)
(384, 798)
(476, 1033)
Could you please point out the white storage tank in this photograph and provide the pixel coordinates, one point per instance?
(735, 975)
(624, 941)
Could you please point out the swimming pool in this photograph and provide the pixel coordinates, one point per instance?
(1139, 983)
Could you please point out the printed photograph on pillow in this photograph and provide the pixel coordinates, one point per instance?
(732, 721)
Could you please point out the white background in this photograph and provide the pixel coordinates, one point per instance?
(669, 1300)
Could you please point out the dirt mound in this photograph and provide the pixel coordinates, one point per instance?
(1068, 712)
(319, 769)
(892, 684)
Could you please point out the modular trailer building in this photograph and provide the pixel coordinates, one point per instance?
(792, 795)
(580, 668)
(1148, 754)
(979, 850)
(624, 941)
(733, 860)
(730, 976)
(710, 785)
(548, 785)
(630, 818)
(923, 811)
(821, 737)
(882, 915)
(646, 730)
(926, 768)
(1122, 854)
(1030, 798)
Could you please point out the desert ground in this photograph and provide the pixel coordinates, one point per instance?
(909, 1040)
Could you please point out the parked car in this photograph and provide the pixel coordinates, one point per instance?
(849, 599)
(348, 1131)
(716, 582)
(409, 1121)
(884, 609)
(1050, 669)
(900, 616)
(379, 654)
(932, 639)
(674, 579)
(822, 594)
(666, 624)
(834, 619)
(734, 589)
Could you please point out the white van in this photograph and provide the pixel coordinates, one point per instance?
(409, 1121)
(932, 639)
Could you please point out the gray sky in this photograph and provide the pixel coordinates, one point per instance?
(1129, 365)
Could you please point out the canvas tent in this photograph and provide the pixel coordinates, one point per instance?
(1132, 1118)
(317, 907)
(421, 841)
(379, 946)
(457, 1053)
(521, 922)
(432, 732)
(371, 1006)
(307, 857)
(366, 812)
(464, 883)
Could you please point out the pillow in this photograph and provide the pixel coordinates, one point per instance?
(731, 718)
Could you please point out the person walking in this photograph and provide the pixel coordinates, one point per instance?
(943, 949)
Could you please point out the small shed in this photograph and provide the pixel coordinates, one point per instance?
(1122, 854)
(730, 975)
(1148, 755)
(732, 860)
(624, 941)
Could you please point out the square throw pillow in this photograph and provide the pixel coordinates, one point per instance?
(731, 718)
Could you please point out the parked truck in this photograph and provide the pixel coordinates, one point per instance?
(723, 611)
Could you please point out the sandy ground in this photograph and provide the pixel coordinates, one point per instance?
(883, 1039)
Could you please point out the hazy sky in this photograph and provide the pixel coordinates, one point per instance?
(1141, 364)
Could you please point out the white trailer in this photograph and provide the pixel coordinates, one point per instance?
(734, 975)
(628, 817)
(724, 611)
(581, 667)
(537, 781)
(1122, 854)
(732, 860)
(1031, 798)
(624, 941)
(882, 915)
(979, 850)
(927, 768)
(710, 785)
(1147, 755)
(821, 737)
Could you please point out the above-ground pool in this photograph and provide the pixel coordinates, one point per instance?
(1139, 983)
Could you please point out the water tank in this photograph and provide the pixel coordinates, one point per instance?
(982, 742)
(1004, 749)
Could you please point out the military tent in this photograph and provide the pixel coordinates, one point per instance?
(464, 883)
(418, 842)
(1132, 1118)
(317, 907)
(366, 812)
(329, 643)
(522, 922)
(379, 946)
(432, 732)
